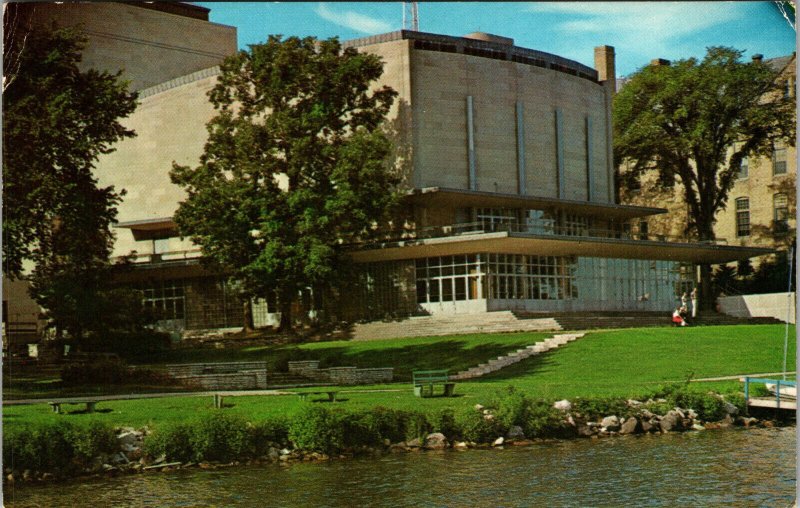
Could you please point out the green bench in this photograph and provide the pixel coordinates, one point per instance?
(425, 380)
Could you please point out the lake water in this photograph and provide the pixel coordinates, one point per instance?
(739, 468)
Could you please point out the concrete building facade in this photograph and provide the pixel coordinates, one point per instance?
(509, 193)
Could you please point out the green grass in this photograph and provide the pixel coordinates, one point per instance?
(621, 363)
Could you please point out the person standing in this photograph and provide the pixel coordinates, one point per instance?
(694, 302)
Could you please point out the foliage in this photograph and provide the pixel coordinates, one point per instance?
(57, 120)
(173, 440)
(272, 430)
(115, 372)
(473, 426)
(317, 429)
(220, 437)
(598, 407)
(294, 168)
(695, 121)
(57, 446)
(127, 344)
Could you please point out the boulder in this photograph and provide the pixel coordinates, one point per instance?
(515, 433)
(746, 421)
(630, 426)
(435, 441)
(478, 407)
(691, 414)
(633, 403)
(646, 415)
(414, 443)
(273, 454)
(647, 426)
(563, 405)
(730, 408)
(671, 422)
(610, 423)
(498, 442)
(697, 426)
(461, 445)
(586, 430)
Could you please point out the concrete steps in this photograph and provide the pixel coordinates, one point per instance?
(457, 324)
(515, 357)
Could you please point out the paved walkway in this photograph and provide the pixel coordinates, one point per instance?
(738, 376)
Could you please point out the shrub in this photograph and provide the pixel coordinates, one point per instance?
(513, 408)
(707, 406)
(416, 425)
(59, 446)
(445, 422)
(543, 420)
(317, 429)
(127, 344)
(222, 437)
(275, 430)
(112, 372)
(597, 408)
(174, 441)
(474, 427)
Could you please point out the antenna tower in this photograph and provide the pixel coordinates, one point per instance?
(410, 16)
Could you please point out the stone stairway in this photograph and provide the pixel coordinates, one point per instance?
(600, 320)
(517, 356)
(454, 324)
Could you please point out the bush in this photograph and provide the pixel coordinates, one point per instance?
(112, 372)
(474, 427)
(543, 420)
(513, 408)
(597, 408)
(707, 406)
(60, 446)
(274, 430)
(127, 344)
(318, 429)
(173, 441)
(221, 437)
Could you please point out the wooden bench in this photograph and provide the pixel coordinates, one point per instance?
(331, 395)
(425, 380)
(90, 404)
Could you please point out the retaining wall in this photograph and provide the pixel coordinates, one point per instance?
(196, 369)
(243, 380)
(776, 305)
(341, 375)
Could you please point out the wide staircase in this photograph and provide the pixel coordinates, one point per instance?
(514, 321)
(517, 356)
(454, 324)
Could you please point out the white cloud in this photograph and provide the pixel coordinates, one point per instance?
(644, 29)
(353, 20)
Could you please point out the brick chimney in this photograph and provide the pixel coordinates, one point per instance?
(757, 58)
(605, 66)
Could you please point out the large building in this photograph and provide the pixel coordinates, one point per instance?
(505, 154)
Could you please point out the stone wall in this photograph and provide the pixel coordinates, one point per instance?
(243, 380)
(770, 305)
(194, 369)
(341, 375)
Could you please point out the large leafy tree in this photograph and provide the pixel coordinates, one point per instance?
(295, 167)
(57, 120)
(692, 122)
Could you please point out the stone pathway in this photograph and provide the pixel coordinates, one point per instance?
(517, 356)
(136, 396)
(739, 376)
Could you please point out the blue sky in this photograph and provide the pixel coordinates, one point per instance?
(640, 31)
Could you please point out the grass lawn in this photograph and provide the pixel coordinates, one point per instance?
(604, 363)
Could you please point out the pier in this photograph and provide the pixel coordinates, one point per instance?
(785, 402)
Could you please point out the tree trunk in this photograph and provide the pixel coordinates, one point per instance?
(285, 305)
(247, 314)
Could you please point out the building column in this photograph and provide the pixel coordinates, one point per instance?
(560, 154)
(473, 177)
(521, 179)
(589, 166)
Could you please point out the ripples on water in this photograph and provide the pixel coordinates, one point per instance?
(739, 468)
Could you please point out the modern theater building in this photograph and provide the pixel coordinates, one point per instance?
(508, 181)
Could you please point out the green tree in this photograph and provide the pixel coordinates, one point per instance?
(295, 167)
(57, 120)
(693, 122)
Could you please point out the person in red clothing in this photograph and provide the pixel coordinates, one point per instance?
(677, 319)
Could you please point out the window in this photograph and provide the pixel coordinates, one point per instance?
(497, 219)
(643, 230)
(744, 169)
(448, 278)
(514, 276)
(165, 298)
(779, 161)
(780, 206)
(743, 217)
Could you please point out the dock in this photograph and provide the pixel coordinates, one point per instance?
(777, 402)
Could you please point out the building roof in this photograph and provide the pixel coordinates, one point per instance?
(488, 46)
(779, 63)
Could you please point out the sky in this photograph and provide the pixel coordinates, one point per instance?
(639, 31)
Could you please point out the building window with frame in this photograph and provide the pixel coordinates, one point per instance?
(166, 298)
(742, 217)
(744, 169)
(779, 161)
(780, 206)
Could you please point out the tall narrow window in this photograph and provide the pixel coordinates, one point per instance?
(744, 169)
(743, 217)
(779, 161)
(780, 205)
